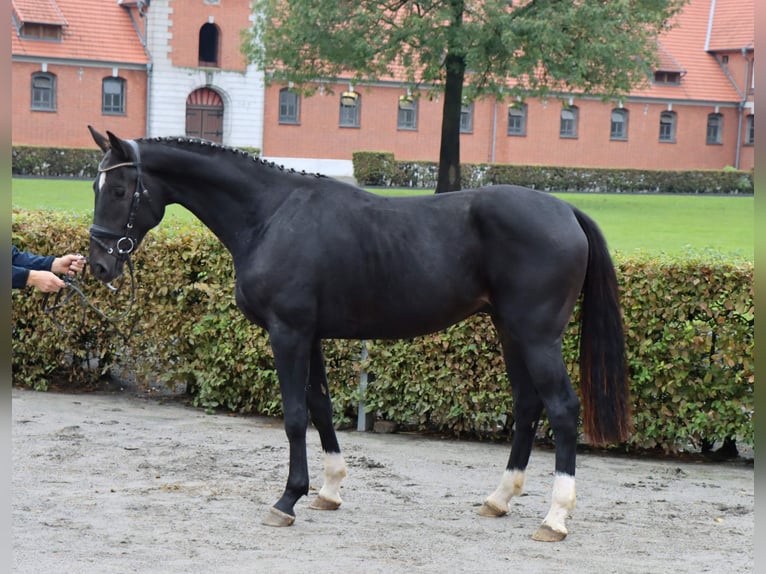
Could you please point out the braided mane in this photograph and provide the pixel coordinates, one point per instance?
(209, 145)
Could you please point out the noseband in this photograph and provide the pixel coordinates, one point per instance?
(125, 241)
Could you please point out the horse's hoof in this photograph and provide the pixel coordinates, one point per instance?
(321, 503)
(546, 534)
(491, 510)
(277, 518)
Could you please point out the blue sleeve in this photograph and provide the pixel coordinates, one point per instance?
(23, 261)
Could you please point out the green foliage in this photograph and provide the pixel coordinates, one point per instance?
(423, 174)
(55, 162)
(376, 168)
(540, 46)
(688, 324)
(63, 161)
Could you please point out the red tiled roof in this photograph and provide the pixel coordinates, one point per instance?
(685, 42)
(98, 30)
(667, 63)
(732, 25)
(39, 12)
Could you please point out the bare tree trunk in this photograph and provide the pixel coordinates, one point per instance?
(449, 152)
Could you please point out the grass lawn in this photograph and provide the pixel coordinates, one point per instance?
(654, 224)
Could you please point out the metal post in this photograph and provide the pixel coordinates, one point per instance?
(362, 418)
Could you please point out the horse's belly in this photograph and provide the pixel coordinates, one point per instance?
(399, 320)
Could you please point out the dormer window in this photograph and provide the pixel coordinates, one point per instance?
(35, 31)
(667, 78)
(38, 20)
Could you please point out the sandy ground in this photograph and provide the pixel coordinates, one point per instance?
(119, 483)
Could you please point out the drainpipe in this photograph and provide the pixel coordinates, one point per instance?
(741, 109)
(494, 132)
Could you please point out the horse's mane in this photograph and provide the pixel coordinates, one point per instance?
(208, 146)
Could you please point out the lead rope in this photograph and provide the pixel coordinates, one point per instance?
(53, 304)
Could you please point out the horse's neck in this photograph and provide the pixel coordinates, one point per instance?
(221, 201)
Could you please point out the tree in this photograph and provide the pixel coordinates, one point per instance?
(513, 49)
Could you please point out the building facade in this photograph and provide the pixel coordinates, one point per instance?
(173, 67)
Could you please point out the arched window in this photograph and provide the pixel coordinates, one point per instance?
(568, 125)
(350, 104)
(668, 127)
(750, 129)
(407, 115)
(289, 106)
(44, 92)
(466, 118)
(714, 129)
(517, 120)
(619, 124)
(208, 45)
(113, 96)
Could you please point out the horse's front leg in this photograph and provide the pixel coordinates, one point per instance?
(320, 408)
(291, 354)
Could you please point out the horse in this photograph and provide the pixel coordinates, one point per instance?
(316, 258)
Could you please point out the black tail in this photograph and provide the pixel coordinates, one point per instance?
(603, 366)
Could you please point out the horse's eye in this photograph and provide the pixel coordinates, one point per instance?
(118, 191)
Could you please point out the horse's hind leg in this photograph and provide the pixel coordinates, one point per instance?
(539, 380)
(527, 407)
(562, 407)
(320, 408)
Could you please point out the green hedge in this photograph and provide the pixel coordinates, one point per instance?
(423, 174)
(688, 322)
(64, 161)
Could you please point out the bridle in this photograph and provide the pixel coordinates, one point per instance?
(125, 241)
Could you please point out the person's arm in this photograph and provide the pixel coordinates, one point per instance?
(40, 271)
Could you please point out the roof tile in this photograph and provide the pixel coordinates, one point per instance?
(96, 30)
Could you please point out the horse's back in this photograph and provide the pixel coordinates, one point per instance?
(365, 266)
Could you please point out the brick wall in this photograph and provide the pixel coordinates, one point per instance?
(319, 136)
(78, 103)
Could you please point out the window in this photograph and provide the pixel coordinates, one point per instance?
(619, 125)
(568, 125)
(750, 129)
(714, 128)
(208, 45)
(349, 109)
(407, 118)
(40, 31)
(667, 78)
(289, 106)
(668, 127)
(466, 118)
(113, 96)
(517, 120)
(44, 92)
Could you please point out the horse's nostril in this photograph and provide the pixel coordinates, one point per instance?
(99, 271)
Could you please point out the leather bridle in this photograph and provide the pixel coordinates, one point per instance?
(124, 241)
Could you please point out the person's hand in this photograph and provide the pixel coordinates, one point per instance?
(68, 264)
(45, 281)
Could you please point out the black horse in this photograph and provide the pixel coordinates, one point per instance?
(316, 259)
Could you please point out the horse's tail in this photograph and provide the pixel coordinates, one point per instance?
(603, 366)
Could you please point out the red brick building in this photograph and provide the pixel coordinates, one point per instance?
(146, 67)
(74, 63)
(697, 113)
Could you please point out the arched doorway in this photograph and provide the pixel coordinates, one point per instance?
(204, 115)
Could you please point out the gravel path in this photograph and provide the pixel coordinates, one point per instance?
(119, 483)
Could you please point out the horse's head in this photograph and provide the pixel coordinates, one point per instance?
(124, 210)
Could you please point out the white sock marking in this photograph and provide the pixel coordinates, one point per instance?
(334, 473)
(562, 502)
(511, 485)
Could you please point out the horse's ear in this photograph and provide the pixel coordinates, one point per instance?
(100, 140)
(118, 146)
